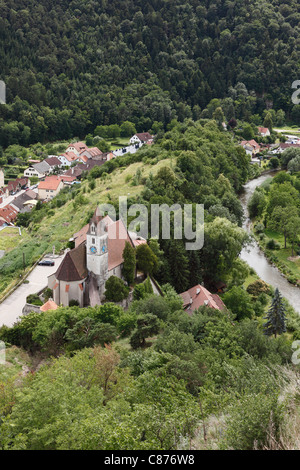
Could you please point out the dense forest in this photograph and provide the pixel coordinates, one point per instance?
(70, 66)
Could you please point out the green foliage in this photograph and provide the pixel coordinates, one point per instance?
(116, 291)
(146, 259)
(276, 316)
(239, 302)
(251, 421)
(34, 299)
(129, 263)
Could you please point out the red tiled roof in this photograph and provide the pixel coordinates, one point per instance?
(198, 296)
(144, 136)
(53, 161)
(8, 213)
(50, 305)
(79, 146)
(70, 156)
(252, 142)
(80, 237)
(50, 183)
(117, 237)
(263, 130)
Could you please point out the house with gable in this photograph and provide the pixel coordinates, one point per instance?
(264, 132)
(142, 138)
(199, 296)
(50, 187)
(77, 148)
(251, 146)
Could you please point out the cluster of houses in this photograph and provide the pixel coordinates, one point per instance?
(56, 172)
(22, 203)
(253, 149)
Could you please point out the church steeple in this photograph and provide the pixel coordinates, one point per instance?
(96, 246)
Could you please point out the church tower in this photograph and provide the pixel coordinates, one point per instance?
(96, 250)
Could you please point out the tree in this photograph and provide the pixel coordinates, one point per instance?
(294, 165)
(268, 121)
(127, 129)
(87, 332)
(146, 259)
(293, 231)
(276, 317)
(116, 291)
(282, 220)
(129, 263)
(147, 325)
(109, 313)
(239, 302)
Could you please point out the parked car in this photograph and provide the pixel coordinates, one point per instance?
(46, 262)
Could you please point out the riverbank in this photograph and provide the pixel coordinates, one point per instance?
(256, 258)
(282, 258)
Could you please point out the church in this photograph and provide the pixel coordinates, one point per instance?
(98, 254)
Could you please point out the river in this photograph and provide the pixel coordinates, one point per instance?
(256, 259)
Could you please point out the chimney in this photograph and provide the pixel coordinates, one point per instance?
(191, 301)
(198, 291)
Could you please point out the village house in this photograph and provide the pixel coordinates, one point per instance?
(49, 188)
(93, 152)
(54, 162)
(264, 132)
(197, 297)
(3, 194)
(77, 148)
(39, 170)
(25, 201)
(251, 146)
(98, 254)
(142, 138)
(17, 184)
(8, 215)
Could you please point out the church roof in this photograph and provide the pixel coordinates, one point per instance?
(73, 266)
(117, 237)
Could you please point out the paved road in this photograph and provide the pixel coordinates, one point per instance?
(12, 307)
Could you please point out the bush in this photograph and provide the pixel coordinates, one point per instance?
(250, 421)
(116, 291)
(33, 299)
(258, 287)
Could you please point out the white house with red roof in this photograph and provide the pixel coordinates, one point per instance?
(142, 138)
(264, 131)
(77, 148)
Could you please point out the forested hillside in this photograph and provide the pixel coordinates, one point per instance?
(70, 66)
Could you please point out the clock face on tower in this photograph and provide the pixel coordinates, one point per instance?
(93, 249)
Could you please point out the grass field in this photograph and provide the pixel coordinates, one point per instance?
(10, 238)
(284, 253)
